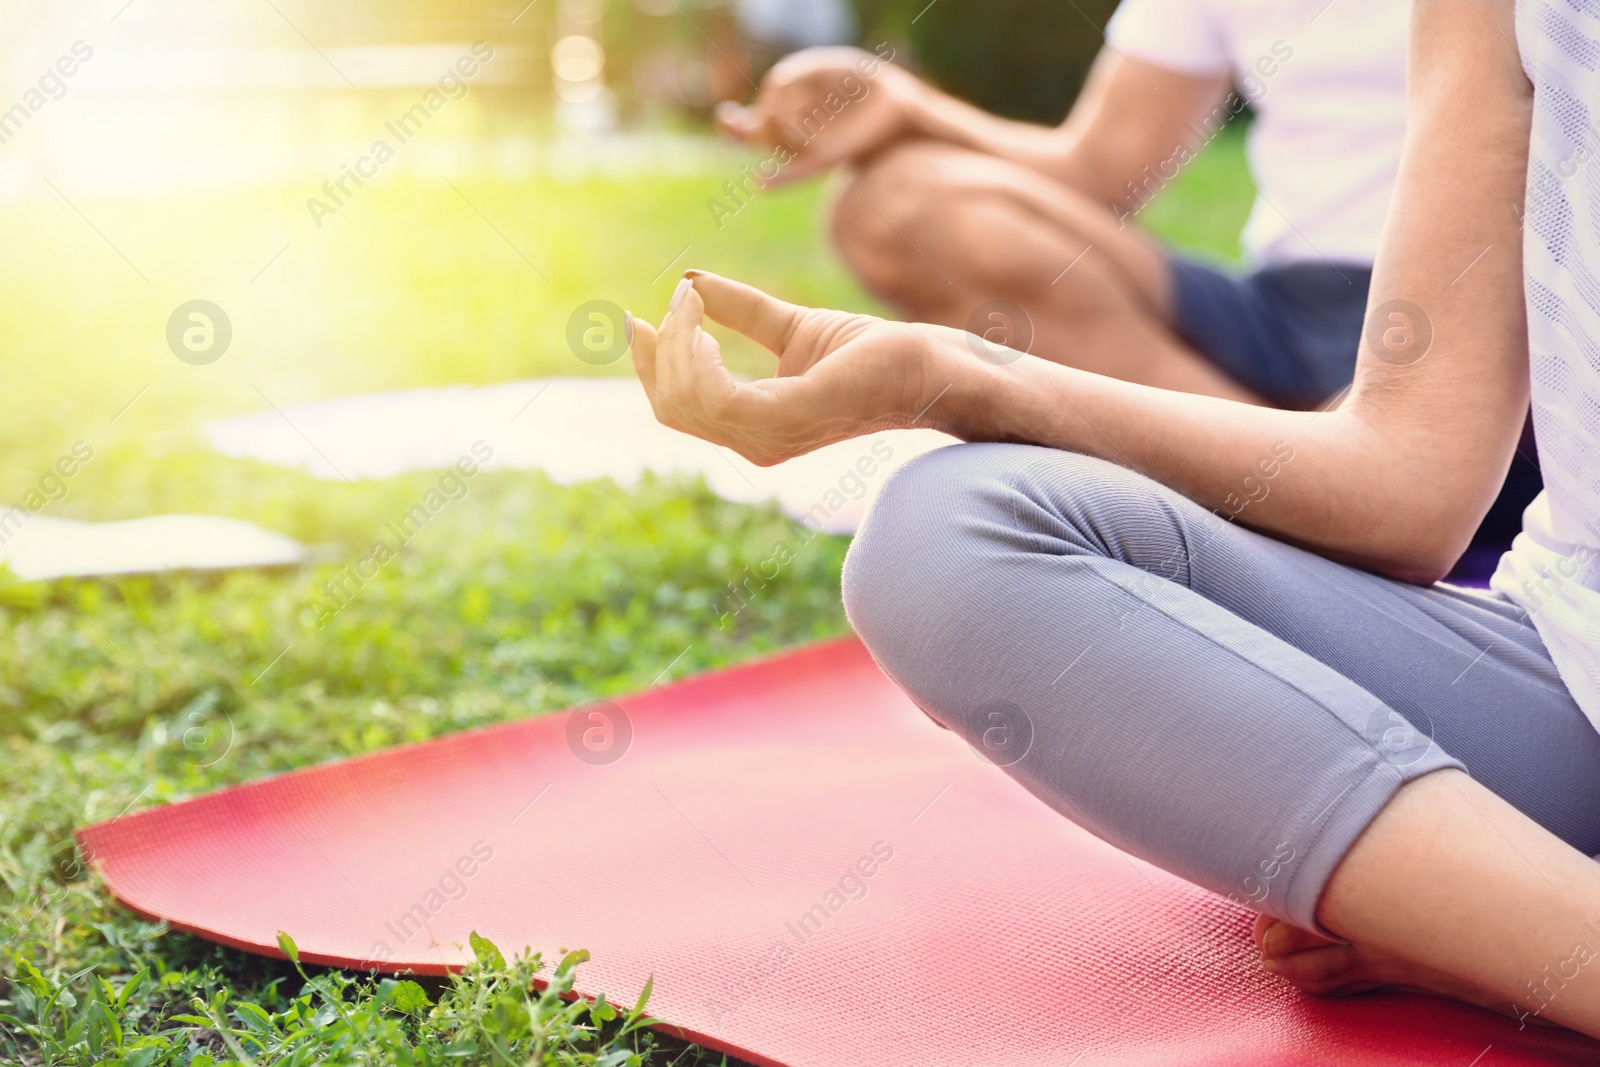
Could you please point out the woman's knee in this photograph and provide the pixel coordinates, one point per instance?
(885, 550)
(937, 547)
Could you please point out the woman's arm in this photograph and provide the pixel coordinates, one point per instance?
(1395, 479)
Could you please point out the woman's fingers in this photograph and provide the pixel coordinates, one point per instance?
(669, 411)
(690, 390)
(690, 378)
(768, 321)
(675, 349)
(642, 347)
(716, 392)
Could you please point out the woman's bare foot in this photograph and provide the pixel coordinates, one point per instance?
(1313, 964)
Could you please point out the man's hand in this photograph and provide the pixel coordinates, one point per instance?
(824, 106)
(839, 375)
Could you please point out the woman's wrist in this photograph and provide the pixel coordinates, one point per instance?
(978, 392)
(959, 393)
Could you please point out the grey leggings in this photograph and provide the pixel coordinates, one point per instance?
(1226, 706)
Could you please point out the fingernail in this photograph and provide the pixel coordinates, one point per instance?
(693, 273)
(677, 294)
(627, 326)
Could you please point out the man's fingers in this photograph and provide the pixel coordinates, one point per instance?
(740, 123)
(768, 321)
(756, 125)
(646, 347)
(802, 166)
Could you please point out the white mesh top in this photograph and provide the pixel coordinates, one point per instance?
(1553, 568)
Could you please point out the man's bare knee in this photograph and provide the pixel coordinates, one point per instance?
(902, 190)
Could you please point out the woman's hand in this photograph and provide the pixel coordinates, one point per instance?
(839, 375)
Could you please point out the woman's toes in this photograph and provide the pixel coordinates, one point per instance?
(1313, 964)
(1308, 961)
(1328, 969)
(1277, 938)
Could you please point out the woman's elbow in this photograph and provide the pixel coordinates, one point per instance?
(1416, 571)
(1422, 551)
(1415, 513)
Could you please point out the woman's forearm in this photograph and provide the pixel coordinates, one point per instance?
(1324, 480)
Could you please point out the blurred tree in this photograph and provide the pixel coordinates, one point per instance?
(1025, 59)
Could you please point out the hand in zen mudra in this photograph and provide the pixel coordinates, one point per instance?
(839, 375)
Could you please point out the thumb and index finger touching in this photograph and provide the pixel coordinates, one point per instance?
(665, 359)
(765, 319)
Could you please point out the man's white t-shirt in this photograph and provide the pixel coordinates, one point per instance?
(1327, 80)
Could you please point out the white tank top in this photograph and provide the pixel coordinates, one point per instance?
(1553, 569)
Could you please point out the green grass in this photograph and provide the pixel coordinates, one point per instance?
(522, 598)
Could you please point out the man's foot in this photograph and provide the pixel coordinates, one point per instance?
(1313, 964)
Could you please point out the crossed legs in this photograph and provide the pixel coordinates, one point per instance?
(937, 232)
(1266, 723)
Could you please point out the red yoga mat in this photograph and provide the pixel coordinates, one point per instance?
(814, 873)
